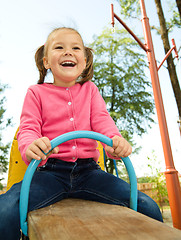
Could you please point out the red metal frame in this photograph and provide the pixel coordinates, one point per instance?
(168, 53)
(172, 181)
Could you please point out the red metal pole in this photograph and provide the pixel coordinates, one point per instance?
(113, 15)
(168, 54)
(172, 181)
(175, 49)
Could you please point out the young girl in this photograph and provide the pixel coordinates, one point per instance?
(71, 103)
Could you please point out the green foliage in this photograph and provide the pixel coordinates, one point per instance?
(123, 174)
(120, 77)
(119, 73)
(157, 178)
(1, 186)
(130, 8)
(175, 20)
(3, 124)
(146, 179)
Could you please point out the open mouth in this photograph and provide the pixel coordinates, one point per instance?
(68, 64)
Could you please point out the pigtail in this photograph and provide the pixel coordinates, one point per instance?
(39, 63)
(87, 74)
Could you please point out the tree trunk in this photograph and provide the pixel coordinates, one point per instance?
(112, 103)
(178, 2)
(170, 63)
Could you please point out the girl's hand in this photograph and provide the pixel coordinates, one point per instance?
(36, 148)
(120, 148)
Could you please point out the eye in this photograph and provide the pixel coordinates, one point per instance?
(59, 47)
(76, 48)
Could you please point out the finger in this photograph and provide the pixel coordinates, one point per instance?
(119, 150)
(115, 142)
(44, 144)
(32, 155)
(35, 150)
(109, 149)
(125, 153)
(55, 151)
(128, 152)
(123, 149)
(47, 143)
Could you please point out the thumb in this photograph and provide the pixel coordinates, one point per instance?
(109, 149)
(55, 150)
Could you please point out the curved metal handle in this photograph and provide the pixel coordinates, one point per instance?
(24, 194)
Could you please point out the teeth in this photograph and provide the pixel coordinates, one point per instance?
(68, 64)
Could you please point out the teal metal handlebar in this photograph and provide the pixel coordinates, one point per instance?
(24, 194)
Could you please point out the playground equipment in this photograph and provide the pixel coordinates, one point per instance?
(172, 181)
(81, 219)
(17, 166)
(24, 195)
(78, 219)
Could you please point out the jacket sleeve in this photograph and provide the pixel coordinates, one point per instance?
(30, 123)
(101, 120)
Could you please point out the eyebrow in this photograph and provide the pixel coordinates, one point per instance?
(61, 43)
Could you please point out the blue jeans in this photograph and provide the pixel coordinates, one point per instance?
(57, 180)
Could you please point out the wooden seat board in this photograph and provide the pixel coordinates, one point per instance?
(75, 219)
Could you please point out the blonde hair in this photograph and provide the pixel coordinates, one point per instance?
(41, 52)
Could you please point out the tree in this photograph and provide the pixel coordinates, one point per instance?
(178, 2)
(175, 10)
(170, 64)
(120, 76)
(131, 8)
(3, 123)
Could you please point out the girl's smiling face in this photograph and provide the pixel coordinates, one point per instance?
(65, 57)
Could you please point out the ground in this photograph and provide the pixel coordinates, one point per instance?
(167, 218)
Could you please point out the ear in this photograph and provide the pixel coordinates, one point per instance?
(45, 63)
(85, 62)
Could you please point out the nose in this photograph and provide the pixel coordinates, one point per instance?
(67, 52)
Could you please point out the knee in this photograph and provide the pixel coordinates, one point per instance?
(149, 207)
(9, 221)
(8, 214)
(9, 210)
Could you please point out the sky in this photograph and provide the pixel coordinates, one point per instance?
(24, 26)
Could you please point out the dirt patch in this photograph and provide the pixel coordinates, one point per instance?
(167, 218)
